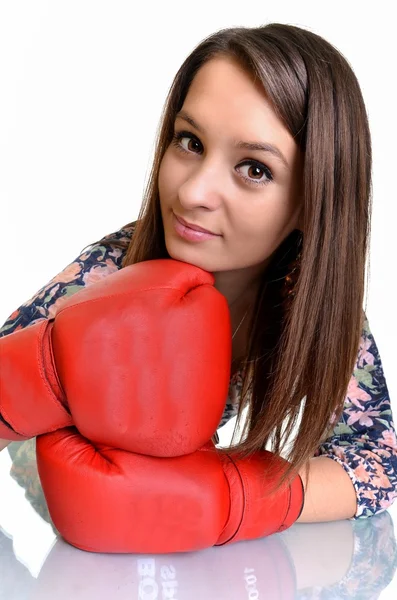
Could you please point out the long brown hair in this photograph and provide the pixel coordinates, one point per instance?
(300, 358)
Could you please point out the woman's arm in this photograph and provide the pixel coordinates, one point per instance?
(329, 495)
(360, 455)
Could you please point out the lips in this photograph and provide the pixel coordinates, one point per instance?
(194, 227)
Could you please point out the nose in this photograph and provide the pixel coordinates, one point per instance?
(202, 188)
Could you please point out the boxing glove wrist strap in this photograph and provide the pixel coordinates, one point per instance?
(255, 509)
(32, 401)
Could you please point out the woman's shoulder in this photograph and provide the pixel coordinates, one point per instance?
(119, 238)
(95, 261)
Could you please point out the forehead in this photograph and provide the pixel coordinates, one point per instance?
(225, 101)
(217, 71)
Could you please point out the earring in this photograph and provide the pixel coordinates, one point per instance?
(288, 289)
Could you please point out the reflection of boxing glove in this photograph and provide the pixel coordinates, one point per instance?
(130, 357)
(102, 499)
(254, 570)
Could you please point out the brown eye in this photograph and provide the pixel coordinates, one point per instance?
(256, 170)
(255, 167)
(191, 145)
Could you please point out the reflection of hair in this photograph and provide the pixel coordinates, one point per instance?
(302, 356)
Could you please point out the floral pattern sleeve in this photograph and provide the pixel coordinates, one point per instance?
(94, 263)
(363, 441)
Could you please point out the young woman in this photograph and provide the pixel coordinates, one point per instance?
(262, 176)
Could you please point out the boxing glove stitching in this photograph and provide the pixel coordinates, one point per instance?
(282, 526)
(60, 396)
(244, 503)
(288, 508)
(303, 496)
(43, 339)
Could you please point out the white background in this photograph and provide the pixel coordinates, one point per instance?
(82, 85)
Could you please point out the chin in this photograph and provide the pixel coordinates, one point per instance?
(183, 255)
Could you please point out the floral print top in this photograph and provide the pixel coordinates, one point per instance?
(363, 441)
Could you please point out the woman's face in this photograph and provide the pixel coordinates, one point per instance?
(248, 197)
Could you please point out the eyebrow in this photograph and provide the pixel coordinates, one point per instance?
(261, 146)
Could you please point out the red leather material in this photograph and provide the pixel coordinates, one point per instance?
(256, 509)
(102, 499)
(31, 399)
(141, 360)
(8, 434)
(127, 360)
(138, 351)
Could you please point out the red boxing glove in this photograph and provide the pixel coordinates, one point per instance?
(31, 398)
(130, 358)
(103, 499)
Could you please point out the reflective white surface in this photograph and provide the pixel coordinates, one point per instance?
(343, 559)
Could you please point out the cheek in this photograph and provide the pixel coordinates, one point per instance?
(167, 179)
(262, 228)
(277, 214)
